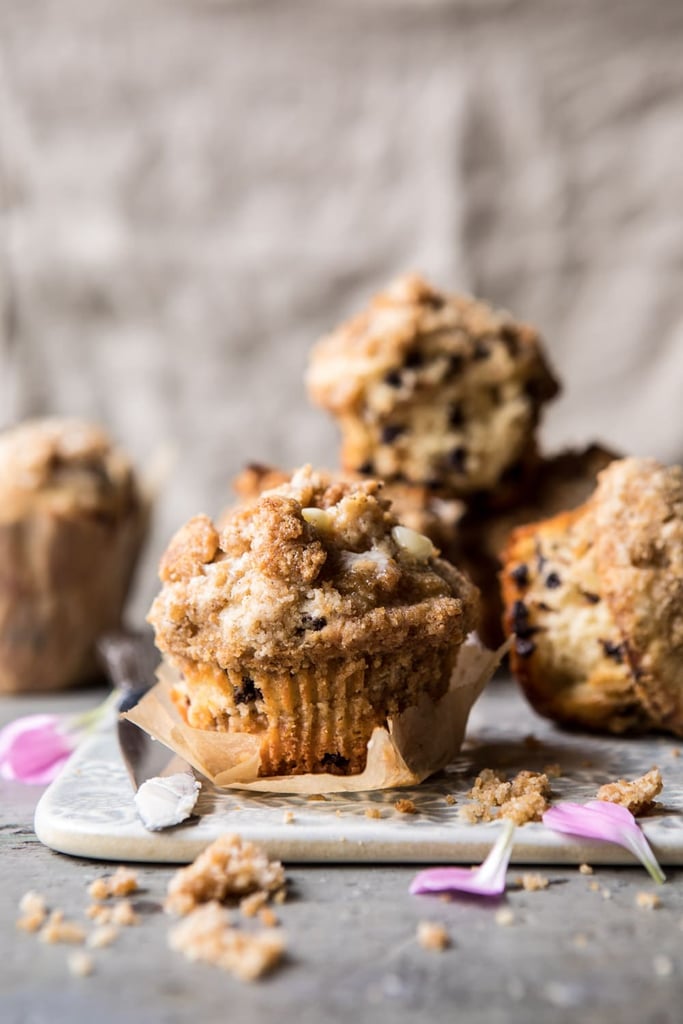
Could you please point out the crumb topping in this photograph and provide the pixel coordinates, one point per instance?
(228, 867)
(638, 795)
(206, 935)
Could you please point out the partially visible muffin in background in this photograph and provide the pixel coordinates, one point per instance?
(72, 522)
(308, 620)
(435, 390)
(594, 598)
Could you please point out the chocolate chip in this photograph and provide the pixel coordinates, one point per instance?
(524, 648)
(520, 620)
(391, 432)
(247, 692)
(313, 622)
(457, 458)
(513, 474)
(509, 337)
(334, 761)
(456, 416)
(520, 574)
(591, 597)
(613, 651)
(496, 396)
(553, 581)
(433, 484)
(393, 378)
(366, 467)
(413, 359)
(455, 363)
(481, 350)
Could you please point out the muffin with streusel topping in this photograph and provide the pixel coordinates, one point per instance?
(311, 618)
(72, 522)
(436, 390)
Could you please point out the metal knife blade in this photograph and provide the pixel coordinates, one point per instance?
(130, 660)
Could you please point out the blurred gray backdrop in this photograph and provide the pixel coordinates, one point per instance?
(191, 192)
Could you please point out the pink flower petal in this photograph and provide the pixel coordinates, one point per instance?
(487, 880)
(606, 822)
(33, 749)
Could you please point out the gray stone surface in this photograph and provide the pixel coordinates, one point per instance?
(352, 949)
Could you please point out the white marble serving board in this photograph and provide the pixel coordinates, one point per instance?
(89, 810)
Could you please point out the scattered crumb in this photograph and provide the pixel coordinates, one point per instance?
(594, 886)
(648, 900)
(124, 914)
(504, 917)
(432, 935)
(580, 940)
(450, 799)
(521, 800)
(585, 869)
(103, 936)
(553, 771)
(372, 812)
(228, 867)
(280, 896)
(606, 894)
(122, 883)
(80, 964)
(57, 929)
(250, 905)
(533, 882)
(662, 966)
(637, 795)
(675, 751)
(338, 813)
(33, 912)
(267, 916)
(99, 913)
(206, 934)
(316, 796)
(288, 818)
(404, 806)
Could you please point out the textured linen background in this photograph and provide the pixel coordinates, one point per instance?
(193, 192)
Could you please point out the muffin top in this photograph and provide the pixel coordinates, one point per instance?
(312, 569)
(65, 466)
(436, 389)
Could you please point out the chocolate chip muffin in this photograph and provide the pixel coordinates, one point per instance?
(308, 620)
(434, 390)
(72, 521)
(594, 598)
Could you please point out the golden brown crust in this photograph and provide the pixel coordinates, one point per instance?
(72, 521)
(440, 391)
(595, 598)
(310, 615)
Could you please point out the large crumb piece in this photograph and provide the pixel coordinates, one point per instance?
(228, 867)
(122, 883)
(404, 806)
(648, 900)
(532, 882)
(80, 965)
(521, 800)
(206, 935)
(57, 929)
(637, 796)
(33, 912)
(432, 935)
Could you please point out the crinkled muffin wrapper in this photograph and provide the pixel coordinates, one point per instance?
(413, 745)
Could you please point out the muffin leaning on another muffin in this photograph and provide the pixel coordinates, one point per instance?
(310, 619)
(72, 521)
(595, 599)
(434, 390)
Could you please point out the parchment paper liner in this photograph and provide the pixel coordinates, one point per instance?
(415, 744)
